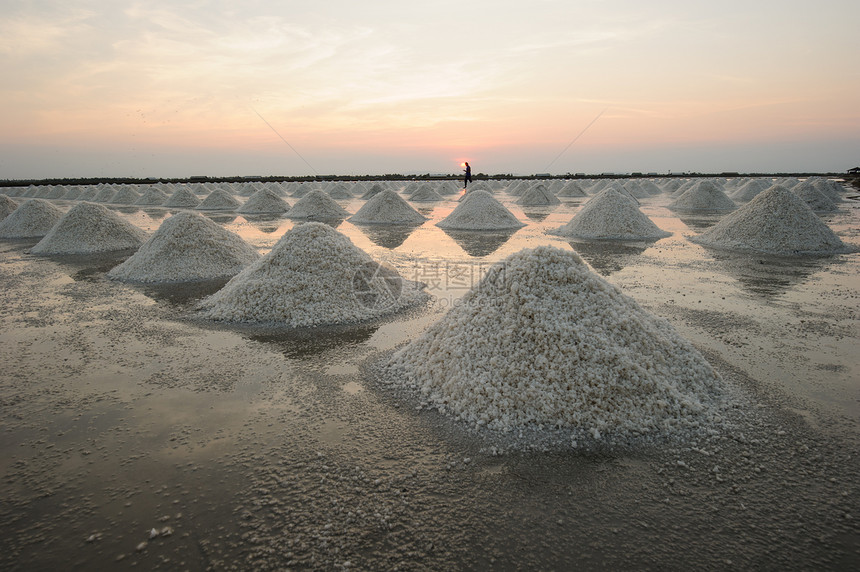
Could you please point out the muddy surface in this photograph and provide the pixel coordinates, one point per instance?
(135, 437)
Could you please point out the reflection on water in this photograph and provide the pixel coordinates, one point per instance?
(388, 236)
(608, 256)
(768, 275)
(700, 222)
(479, 243)
(184, 293)
(306, 342)
(220, 218)
(538, 214)
(332, 222)
(267, 223)
(425, 210)
(91, 267)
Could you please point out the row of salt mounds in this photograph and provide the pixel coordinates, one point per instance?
(387, 207)
(313, 276)
(218, 200)
(813, 197)
(187, 247)
(703, 196)
(775, 222)
(183, 198)
(89, 228)
(536, 196)
(543, 342)
(73, 193)
(33, 219)
(153, 196)
(264, 201)
(7, 206)
(611, 215)
(480, 211)
(317, 205)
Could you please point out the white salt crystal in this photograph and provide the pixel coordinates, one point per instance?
(90, 228)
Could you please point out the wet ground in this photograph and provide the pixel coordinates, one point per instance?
(133, 437)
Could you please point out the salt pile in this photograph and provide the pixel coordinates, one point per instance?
(813, 197)
(538, 195)
(105, 195)
(387, 207)
(33, 219)
(776, 222)
(543, 342)
(339, 191)
(703, 196)
(182, 198)
(749, 190)
(88, 194)
(313, 276)
(89, 228)
(571, 189)
(318, 206)
(425, 194)
(373, 190)
(481, 211)
(264, 201)
(7, 206)
(610, 214)
(218, 200)
(187, 247)
(152, 197)
(72, 194)
(126, 195)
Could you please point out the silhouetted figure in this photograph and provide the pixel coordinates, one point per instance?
(468, 178)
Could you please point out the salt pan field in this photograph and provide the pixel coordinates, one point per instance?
(202, 377)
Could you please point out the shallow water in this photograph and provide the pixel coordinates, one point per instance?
(265, 449)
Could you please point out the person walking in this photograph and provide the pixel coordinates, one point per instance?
(468, 178)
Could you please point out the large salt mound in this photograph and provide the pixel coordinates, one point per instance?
(703, 196)
(776, 222)
(126, 196)
(183, 197)
(187, 247)
(264, 201)
(313, 276)
(544, 342)
(317, 205)
(481, 211)
(611, 214)
(218, 200)
(387, 207)
(152, 197)
(33, 219)
(89, 228)
(7, 206)
(538, 195)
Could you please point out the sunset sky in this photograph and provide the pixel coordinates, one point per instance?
(222, 88)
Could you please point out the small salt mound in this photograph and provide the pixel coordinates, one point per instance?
(52, 192)
(339, 192)
(650, 187)
(89, 228)
(703, 196)
(33, 219)
(635, 189)
(187, 247)
(481, 211)
(544, 342)
(264, 201)
(313, 276)
(830, 189)
(776, 222)
(387, 207)
(317, 205)
(105, 195)
(126, 195)
(7, 206)
(88, 194)
(218, 200)
(571, 189)
(538, 195)
(72, 193)
(813, 197)
(372, 191)
(448, 188)
(182, 198)
(749, 190)
(611, 215)
(425, 194)
(152, 197)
